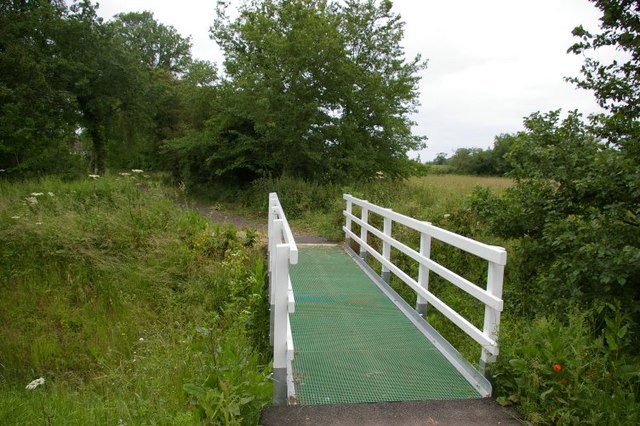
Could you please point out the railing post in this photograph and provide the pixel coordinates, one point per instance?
(364, 216)
(347, 238)
(423, 274)
(495, 277)
(386, 249)
(281, 278)
(276, 228)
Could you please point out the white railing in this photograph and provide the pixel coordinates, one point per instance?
(495, 256)
(282, 252)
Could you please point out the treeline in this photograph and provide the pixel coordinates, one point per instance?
(317, 90)
(79, 95)
(477, 161)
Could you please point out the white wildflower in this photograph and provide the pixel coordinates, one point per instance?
(15, 217)
(51, 194)
(3, 170)
(35, 383)
(38, 223)
(94, 176)
(447, 215)
(32, 200)
(141, 339)
(125, 174)
(137, 171)
(37, 194)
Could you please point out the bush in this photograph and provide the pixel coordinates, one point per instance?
(567, 372)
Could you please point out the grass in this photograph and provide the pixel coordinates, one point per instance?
(121, 301)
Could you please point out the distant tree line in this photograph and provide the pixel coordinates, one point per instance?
(477, 161)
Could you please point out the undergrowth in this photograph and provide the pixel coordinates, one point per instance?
(127, 306)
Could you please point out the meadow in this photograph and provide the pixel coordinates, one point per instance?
(132, 310)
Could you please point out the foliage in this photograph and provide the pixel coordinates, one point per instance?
(567, 372)
(573, 207)
(318, 90)
(107, 286)
(614, 84)
(157, 45)
(478, 161)
(36, 116)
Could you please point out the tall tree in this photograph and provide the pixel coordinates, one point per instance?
(101, 74)
(37, 115)
(159, 46)
(315, 89)
(576, 202)
(616, 84)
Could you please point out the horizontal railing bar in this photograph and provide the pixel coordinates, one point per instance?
(470, 329)
(491, 253)
(462, 283)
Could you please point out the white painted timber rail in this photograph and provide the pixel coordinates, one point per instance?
(496, 257)
(282, 252)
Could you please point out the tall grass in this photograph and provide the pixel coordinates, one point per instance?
(117, 298)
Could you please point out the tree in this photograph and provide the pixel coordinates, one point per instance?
(37, 114)
(95, 61)
(315, 89)
(570, 210)
(616, 85)
(159, 46)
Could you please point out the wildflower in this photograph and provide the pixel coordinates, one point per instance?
(34, 384)
(3, 170)
(125, 174)
(51, 194)
(38, 223)
(141, 339)
(37, 194)
(15, 217)
(446, 215)
(557, 367)
(94, 176)
(32, 200)
(137, 171)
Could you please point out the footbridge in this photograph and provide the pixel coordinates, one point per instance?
(342, 335)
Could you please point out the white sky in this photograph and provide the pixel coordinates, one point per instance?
(491, 62)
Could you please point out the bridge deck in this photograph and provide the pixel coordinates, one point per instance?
(352, 344)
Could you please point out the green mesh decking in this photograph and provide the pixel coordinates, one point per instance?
(353, 345)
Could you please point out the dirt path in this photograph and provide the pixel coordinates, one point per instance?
(242, 223)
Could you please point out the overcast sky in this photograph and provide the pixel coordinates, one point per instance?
(491, 62)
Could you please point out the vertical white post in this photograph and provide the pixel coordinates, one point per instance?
(386, 249)
(281, 279)
(423, 273)
(348, 221)
(363, 231)
(495, 277)
(274, 240)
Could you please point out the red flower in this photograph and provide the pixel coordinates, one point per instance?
(557, 367)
